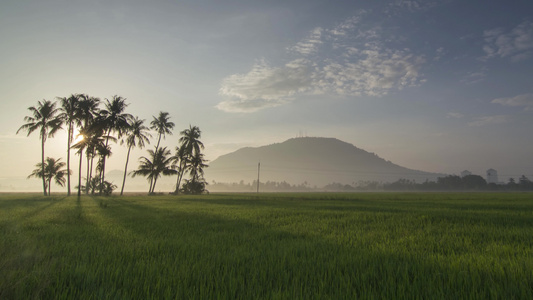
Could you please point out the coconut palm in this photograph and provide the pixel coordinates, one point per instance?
(162, 126)
(88, 112)
(195, 165)
(114, 119)
(137, 136)
(190, 145)
(81, 145)
(181, 160)
(69, 116)
(51, 169)
(157, 164)
(88, 109)
(44, 120)
(190, 140)
(95, 140)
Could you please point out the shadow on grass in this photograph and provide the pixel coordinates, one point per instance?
(138, 249)
(261, 260)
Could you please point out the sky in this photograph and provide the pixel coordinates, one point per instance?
(439, 86)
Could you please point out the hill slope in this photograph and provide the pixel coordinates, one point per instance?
(317, 161)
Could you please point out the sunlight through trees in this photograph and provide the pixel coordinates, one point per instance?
(93, 131)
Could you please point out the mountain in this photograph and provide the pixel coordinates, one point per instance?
(317, 161)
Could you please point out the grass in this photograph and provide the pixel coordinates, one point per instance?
(269, 246)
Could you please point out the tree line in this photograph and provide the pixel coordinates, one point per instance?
(446, 183)
(100, 123)
(464, 183)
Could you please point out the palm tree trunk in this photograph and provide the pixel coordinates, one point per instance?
(69, 141)
(125, 171)
(49, 185)
(153, 187)
(156, 147)
(43, 139)
(79, 174)
(87, 176)
(102, 171)
(180, 175)
(150, 188)
(91, 172)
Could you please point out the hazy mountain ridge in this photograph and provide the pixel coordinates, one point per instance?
(317, 161)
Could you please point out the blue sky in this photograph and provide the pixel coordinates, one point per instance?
(439, 86)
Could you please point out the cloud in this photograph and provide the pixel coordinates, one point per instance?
(412, 5)
(524, 100)
(310, 44)
(346, 60)
(475, 77)
(264, 86)
(488, 120)
(454, 115)
(516, 44)
(374, 73)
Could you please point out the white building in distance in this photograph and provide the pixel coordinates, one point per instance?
(492, 176)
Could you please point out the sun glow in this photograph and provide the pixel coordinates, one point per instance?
(77, 137)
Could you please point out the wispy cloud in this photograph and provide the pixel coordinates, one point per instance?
(455, 115)
(264, 86)
(524, 100)
(489, 120)
(310, 44)
(414, 5)
(475, 77)
(516, 44)
(373, 73)
(344, 60)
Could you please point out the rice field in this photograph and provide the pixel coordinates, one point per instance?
(268, 246)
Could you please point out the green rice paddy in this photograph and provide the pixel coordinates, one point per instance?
(268, 246)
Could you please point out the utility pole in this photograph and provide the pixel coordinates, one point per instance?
(258, 172)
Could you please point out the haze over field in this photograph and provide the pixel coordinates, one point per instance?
(436, 86)
(314, 161)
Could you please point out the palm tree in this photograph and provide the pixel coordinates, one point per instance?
(44, 119)
(88, 112)
(159, 163)
(69, 116)
(81, 145)
(190, 140)
(162, 126)
(190, 145)
(51, 169)
(88, 109)
(114, 119)
(137, 137)
(90, 141)
(195, 165)
(95, 140)
(181, 160)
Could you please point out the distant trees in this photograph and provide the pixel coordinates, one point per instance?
(98, 128)
(465, 183)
